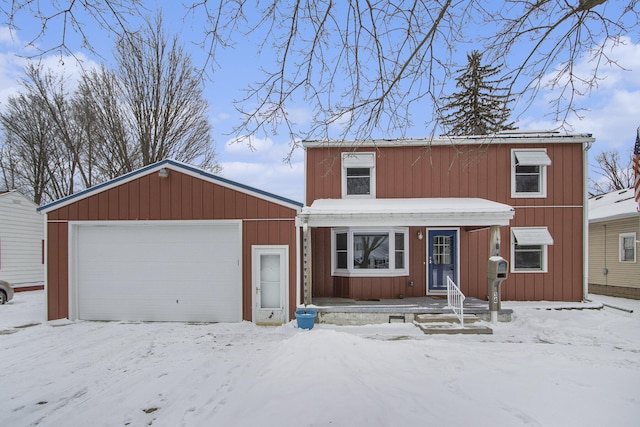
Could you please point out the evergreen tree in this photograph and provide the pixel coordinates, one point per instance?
(481, 105)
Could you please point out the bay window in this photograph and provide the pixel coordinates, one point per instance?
(369, 252)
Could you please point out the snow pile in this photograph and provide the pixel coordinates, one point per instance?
(547, 367)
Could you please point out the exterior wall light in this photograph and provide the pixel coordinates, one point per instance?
(420, 235)
(163, 173)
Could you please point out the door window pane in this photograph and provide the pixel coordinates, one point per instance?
(270, 281)
(442, 250)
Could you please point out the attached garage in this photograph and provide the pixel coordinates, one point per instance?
(180, 245)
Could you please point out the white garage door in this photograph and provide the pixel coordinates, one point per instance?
(159, 272)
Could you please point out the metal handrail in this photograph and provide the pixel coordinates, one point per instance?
(455, 300)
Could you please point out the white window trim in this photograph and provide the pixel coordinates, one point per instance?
(543, 176)
(350, 271)
(359, 160)
(621, 238)
(545, 254)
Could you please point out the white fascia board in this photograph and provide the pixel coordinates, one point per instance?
(521, 137)
(406, 212)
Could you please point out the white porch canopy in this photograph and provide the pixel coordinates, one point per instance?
(459, 211)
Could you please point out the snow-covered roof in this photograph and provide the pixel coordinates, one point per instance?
(507, 137)
(458, 211)
(618, 204)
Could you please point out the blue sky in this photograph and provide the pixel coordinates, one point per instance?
(612, 110)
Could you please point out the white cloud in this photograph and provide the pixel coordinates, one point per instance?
(8, 37)
(260, 163)
(12, 70)
(611, 111)
(259, 150)
(248, 145)
(281, 178)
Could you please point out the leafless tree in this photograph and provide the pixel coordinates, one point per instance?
(162, 93)
(100, 108)
(371, 67)
(149, 109)
(613, 172)
(34, 153)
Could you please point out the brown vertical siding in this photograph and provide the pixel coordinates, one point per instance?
(179, 197)
(57, 270)
(465, 171)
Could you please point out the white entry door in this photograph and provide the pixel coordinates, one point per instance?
(270, 283)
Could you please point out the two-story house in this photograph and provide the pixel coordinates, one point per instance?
(396, 218)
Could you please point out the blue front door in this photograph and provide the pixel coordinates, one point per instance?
(442, 259)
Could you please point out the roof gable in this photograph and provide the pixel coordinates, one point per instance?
(179, 167)
(16, 196)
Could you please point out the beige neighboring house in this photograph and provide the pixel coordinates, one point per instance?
(614, 233)
(21, 242)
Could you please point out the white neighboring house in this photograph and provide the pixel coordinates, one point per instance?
(21, 241)
(614, 240)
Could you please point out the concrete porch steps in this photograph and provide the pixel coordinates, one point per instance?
(433, 324)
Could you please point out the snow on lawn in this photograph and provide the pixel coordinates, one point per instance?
(546, 368)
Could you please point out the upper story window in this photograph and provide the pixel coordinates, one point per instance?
(358, 175)
(628, 247)
(529, 172)
(529, 249)
(370, 252)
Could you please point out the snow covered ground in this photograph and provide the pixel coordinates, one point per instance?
(546, 368)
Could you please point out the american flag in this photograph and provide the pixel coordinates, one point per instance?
(636, 169)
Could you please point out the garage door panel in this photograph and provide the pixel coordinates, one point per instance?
(159, 272)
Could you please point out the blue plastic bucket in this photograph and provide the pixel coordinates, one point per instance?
(306, 318)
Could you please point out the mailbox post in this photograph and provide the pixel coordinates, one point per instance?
(497, 272)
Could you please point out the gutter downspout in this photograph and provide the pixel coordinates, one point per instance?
(585, 220)
(298, 255)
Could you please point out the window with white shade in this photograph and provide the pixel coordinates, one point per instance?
(358, 175)
(529, 249)
(628, 247)
(529, 173)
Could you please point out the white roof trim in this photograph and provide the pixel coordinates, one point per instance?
(446, 212)
(532, 158)
(514, 137)
(532, 236)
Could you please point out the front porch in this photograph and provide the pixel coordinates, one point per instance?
(348, 311)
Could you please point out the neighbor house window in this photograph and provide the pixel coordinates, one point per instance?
(358, 175)
(628, 247)
(529, 249)
(529, 173)
(370, 252)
